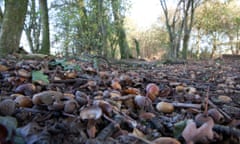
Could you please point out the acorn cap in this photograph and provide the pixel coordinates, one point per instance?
(93, 112)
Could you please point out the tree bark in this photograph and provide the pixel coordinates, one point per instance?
(12, 26)
(121, 34)
(45, 45)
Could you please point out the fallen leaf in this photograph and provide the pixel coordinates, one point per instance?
(165, 140)
(203, 134)
(3, 68)
(40, 78)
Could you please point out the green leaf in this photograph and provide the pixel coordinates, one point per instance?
(40, 78)
(66, 65)
(178, 128)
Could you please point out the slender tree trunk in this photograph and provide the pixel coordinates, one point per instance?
(198, 44)
(1, 17)
(214, 46)
(122, 39)
(45, 45)
(12, 26)
(32, 27)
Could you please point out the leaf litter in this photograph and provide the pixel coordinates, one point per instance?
(54, 100)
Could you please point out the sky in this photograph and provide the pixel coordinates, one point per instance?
(145, 12)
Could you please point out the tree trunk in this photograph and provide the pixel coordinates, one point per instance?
(12, 26)
(214, 46)
(32, 27)
(122, 39)
(45, 45)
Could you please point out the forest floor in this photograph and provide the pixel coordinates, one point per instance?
(62, 101)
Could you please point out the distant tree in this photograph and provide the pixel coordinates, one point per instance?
(121, 34)
(219, 22)
(94, 27)
(45, 43)
(32, 26)
(179, 25)
(12, 26)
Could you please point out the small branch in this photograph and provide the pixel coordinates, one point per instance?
(186, 105)
(32, 110)
(110, 129)
(206, 104)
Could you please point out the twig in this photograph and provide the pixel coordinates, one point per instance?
(186, 105)
(110, 129)
(206, 104)
(33, 110)
(225, 130)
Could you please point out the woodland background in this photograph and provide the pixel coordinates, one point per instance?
(186, 29)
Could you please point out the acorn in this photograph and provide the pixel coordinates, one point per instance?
(93, 112)
(216, 115)
(180, 89)
(152, 91)
(106, 107)
(142, 101)
(26, 89)
(165, 107)
(70, 106)
(23, 73)
(7, 107)
(224, 99)
(202, 118)
(46, 97)
(56, 106)
(23, 101)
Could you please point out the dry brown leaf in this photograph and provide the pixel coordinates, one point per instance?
(116, 85)
(3, 68)
(138, 133)
(131, 91)
(165, 140)
(203, 134)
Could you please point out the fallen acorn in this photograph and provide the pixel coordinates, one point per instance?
(93, 112)
(142, 101)
(202, 118)
(23, 101)
(46, 97)
(152, 91)
(70, 106)
(224, 99)
(26, 89)
(180, 88)
(165, 107)
(7, 107)
(23, 73)
(216, 115)
(106, 107)
(56, 106)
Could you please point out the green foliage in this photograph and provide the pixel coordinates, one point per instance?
(66, 65)
(87, 26)
(218, 21)
(152, 42)
(178, 128)
(39, 77)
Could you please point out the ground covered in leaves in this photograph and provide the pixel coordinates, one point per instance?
(62, 101)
